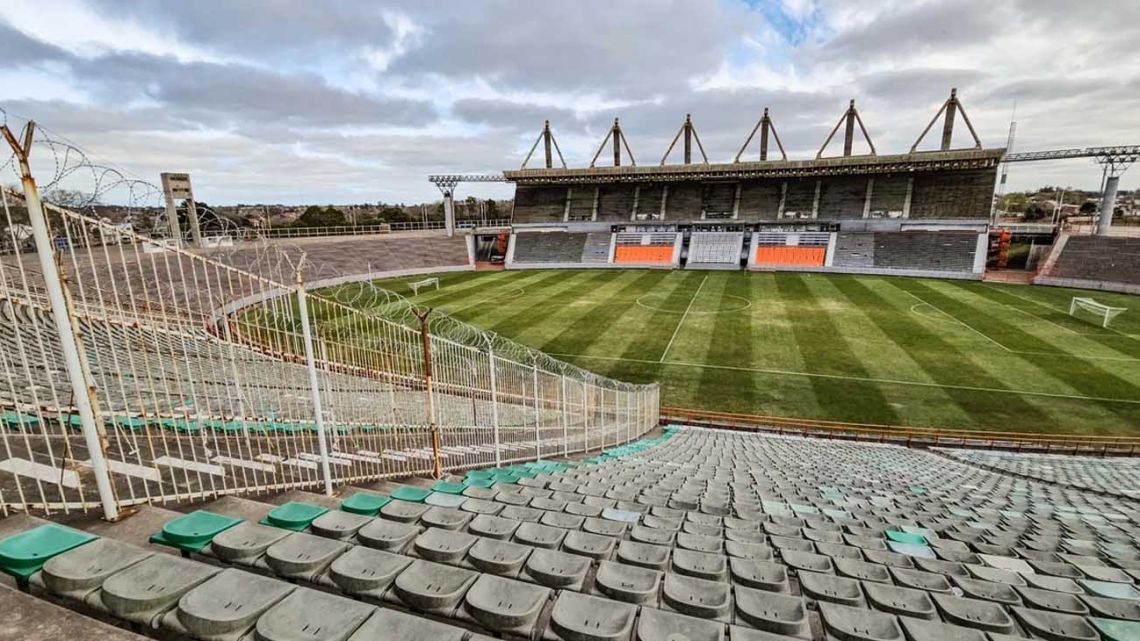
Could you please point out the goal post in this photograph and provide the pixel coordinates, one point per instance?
(1105, 312)
(427, 282)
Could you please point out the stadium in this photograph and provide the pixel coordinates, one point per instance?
(758, 400)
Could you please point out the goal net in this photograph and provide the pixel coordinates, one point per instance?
(1105, 312)
(427, 282)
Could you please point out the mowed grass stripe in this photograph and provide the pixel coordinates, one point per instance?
(469, 302)
(578, 338)
(729, 342)
(531, 309)
(1087, 378)
(942, 362)
(573, 312)
(1073, 331)
(825, 349)
(653, 335)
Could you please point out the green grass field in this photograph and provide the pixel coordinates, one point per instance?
(849, 348)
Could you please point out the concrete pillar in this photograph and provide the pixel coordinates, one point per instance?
(636, 199)
(783, 197)
(449, 213)
(849, 132)
(909, 192)
(764, 126)
(815, 201)
(1107, 205)
(594, 214)
(664, 198)
(736, 203)
(566, 210)
(867, 198)
(192, 216)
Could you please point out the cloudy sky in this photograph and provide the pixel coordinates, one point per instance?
(299, 101)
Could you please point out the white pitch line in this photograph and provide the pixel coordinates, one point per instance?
(682, 321)
(956, 320)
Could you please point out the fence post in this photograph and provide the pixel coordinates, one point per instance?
(82, 391)
(537, 439)
(565, 419)
(433, 429)
(586, 415)
(314, 382)
(494, 405)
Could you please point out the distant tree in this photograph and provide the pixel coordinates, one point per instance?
(1013, 203)
(1035, 211)
(314, 216)
(1088, 207)
(492, 208)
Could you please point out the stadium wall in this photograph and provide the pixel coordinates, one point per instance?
(1104, 263)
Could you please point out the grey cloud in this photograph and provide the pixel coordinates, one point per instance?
(919, 28)
(16, 48)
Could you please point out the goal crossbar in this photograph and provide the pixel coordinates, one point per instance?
(427, 282)
(1106, 312)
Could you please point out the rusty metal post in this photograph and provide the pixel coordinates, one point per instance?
(94, 437)
(433, 429)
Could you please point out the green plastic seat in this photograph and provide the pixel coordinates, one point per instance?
(180, 425)
(23, 554)
(411, 494)
(906, 537)
(19, 419)
(478, 482)
(479, 474)
(1116, 630)
(448, 488)
(194, 531)
(293, 515)
(365, 503)
(132, 423)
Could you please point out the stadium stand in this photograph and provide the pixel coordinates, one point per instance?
(759, 200)
(1119, 476)
(888, 196)
(712, 248)
(718, 200)
(799, 199)
(804, 249)
(549, 247)
(951, 252)
(581, 203)
(684, 201)
(649, 199)
(539, 204)
(966, 194)
(1100, 262)
(655, 248)
(615, 202)
(707, 534)
(597, 247)
(842, 198)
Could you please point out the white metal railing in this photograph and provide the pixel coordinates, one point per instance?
(130, 375)
(361, 230)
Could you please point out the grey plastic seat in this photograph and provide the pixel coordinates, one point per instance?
(1110, 589)
(1105, 607)
(862, 570)
(581, 617)
(548, 504)
(520, 513)
(562, 520)
(403, 511)
(481, 506)
(788, 544)
(900, 601)
(1056, 568)
(990, 591)
(628, 583)
(386, 623)
(557, 569)
(1054, 626)
(1053, 583)
(498, 557)
(514, 498)
(444, 546)
(657, 625)
(443, 499)
(80, 571)
(857, 624)
(1054, 601)
(745, 536)
(539, 536)
(697, 597)
(336, 524)
(919, 580)
(245, 542)
(689, 527)
(644, 555)
(771, 612)
(839, 551)
(227, 606)
(771, 577)
(825, 587)
(973, 613)
(506, 606)
(603, 527)
(949, 568)
(591, 545)
(807, 561)
(493, 527)
(921, 630)
(432, 587)
(666, 523)
(701, 565)
(996, 575)
(700, 543)
(310, 615)
(755, 551)
(481, 493)
(363, 571)
(303, 556)
(652, 536)
(150, 587)
(446, 519)
(889, 559)
(383, 534)
(582, 509)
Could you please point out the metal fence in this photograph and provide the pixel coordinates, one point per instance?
(136, 371)
(362, 230)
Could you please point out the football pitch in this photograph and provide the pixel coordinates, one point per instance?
(869, 349)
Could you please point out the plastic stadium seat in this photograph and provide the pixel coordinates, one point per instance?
(697, 597)
(498, 557)
(25, 553)
(226, 606)
(863, 570)
(589, 545)
(973, 613)
(481, 506)
(293, 515)
(366, 572)
(393, 624)
(303, 556)
(443, 499)
(900, 601)
(562, 520)
(771, 577)
(431, 587)
(920, 630)
(1112, 630)
(919, 580)
(383, 534)
(403, 511)
(628, 583)
(1053, 601)
(584, 509)
(807, 561)
(580, 617)
(446, 519)
(1054, 626)
(193, 532)
(700, 543)
(81, 570)
(364, 503)
(336, 524)
(312, 613)
(1109, 608)
(521, 513)
(651, 535)
(539, 536)
(854, 623)
(444, 546)
(557, 569)
(603, 527)
(151, 586)
(771, 612)
(410, 494)
(701, 565)
(506, 606)
(654, 625)
(825, 587)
